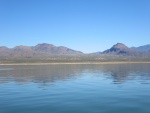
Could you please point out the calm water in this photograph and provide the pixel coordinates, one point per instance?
(115, 88)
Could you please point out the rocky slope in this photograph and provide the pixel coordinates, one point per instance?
(142, 48)
(40, 50)
(52, 52)
(121, 49)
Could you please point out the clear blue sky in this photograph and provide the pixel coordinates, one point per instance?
(85, 25)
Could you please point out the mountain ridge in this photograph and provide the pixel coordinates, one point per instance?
(44, 50)
(142, 48)
(121, 49)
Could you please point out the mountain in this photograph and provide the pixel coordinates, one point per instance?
(142, 48)
(54, 53)
(39, 50)
(51, 49)
(21, 51)
(4, 51)
(96, 53)
(118, 48)
(121, 49)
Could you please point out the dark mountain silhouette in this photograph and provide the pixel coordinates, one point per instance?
(142, 48)
(121, 49)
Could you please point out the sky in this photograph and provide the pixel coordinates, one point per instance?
(84, 25)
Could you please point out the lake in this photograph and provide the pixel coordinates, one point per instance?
(74, 88)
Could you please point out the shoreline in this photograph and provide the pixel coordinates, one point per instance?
(61, 63)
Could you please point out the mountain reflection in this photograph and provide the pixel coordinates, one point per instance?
(43, 74)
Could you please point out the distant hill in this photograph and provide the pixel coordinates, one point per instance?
(51, 49)
(118, 48)
(96, 52)
(39, 50)
(142, 48)
(121, 49)
(51, 52)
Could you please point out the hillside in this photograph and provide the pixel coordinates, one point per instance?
(121, 49)
(51, 53)
(142, 48)
(40, 50)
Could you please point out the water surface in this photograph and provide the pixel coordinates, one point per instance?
(107, 88)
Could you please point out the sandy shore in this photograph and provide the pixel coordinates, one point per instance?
(75, 63)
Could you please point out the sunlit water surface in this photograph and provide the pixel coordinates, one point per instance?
(109, 88)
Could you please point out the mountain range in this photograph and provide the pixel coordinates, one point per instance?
(40, 50)
(142, 48)
(45, 50)
(121, 49)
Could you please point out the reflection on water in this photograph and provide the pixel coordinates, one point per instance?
(118, 73)
(107, 88)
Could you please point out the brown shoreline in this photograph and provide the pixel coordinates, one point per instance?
(60, 63)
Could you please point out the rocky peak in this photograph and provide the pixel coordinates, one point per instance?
(43, 47)
(120, 46)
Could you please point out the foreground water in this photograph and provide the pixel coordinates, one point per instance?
(109, 88)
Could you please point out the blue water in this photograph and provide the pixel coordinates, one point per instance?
(109, 88)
